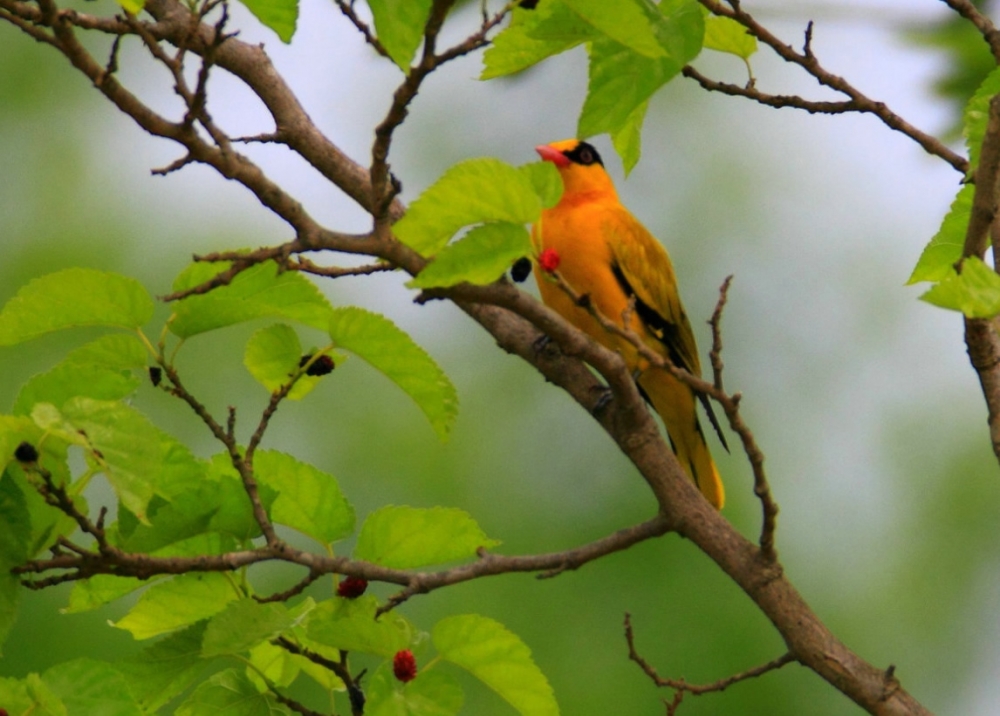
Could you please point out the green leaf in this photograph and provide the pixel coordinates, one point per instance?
(627, 140)
(945, 249)
(46, 522)
(102, 369)
(622, 80)
(279, 15)
(498, 658)
(975, 117)
(29, 697)
(628, 22)
(179, 602)
(259, 292)
(724, 34)
(273, 355)
(404, 537)
(432, 693)
(471, 192)
(244, 624)
(545, 179)
(534, 35)
(308, 500)
(15, 537)
(350, 624)
(232, 513)
(379, 342)
(230, 693)
(128, 444)
(164, 669)
(73, 298)
(480, 257)
(96, 591)
(975, 292)
(87, 686)
(399, 25)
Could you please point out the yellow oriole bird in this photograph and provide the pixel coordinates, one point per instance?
(604, 253)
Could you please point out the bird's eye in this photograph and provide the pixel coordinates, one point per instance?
(586, 156)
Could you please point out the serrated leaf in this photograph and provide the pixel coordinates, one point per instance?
(621, 80)
(102, 369)
(724, 34)
(975, 292)
(15, 537)
(380, 343)
(308, 500)
(471, 192)
(399, 25)
(432, 693)
(628, 22)
(87, 686)
(405, 537)
(179, 602)
(975, 117)
(74, 298)
(128, 444)
(230, 693)
(46, 522)
(232, 512)
(534, 35)
(279, 666)
(481, 257)
(242, 625)
(259, 292)
(545, 179)
(350, 624)
(279, 15)
(164, 669)
(498, 658)
(945, 249)
(272, 356)
(29, 697)
(93, 592)
(627, 140)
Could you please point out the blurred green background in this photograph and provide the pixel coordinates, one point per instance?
(860, 395)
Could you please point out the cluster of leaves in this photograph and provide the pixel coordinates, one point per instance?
(974, 288)
(219, 647)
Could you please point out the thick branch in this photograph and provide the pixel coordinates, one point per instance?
(981, 339)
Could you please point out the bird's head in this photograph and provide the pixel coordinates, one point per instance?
(580, 166)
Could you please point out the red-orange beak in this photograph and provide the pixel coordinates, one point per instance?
(549, 154)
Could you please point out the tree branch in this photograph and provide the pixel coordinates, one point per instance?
(808, 62)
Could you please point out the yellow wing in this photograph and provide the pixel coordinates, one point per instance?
(643, 269)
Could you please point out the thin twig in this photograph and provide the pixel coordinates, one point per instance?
(808, 62)
(682, 686)
(970, 12)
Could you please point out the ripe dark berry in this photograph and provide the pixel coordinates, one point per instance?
(529, 4)
(549, 260)
(155, 375)
(321, 366)
(352, 587)
(521, 269)
(25, 452)
(404, 666)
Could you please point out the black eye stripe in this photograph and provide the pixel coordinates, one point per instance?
(584, 154)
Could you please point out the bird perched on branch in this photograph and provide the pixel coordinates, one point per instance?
(605, 254)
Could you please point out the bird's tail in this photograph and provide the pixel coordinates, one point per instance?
(675, 403)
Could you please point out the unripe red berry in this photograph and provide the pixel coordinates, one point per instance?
(352, 587)
(404, 666)
(549, 260)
